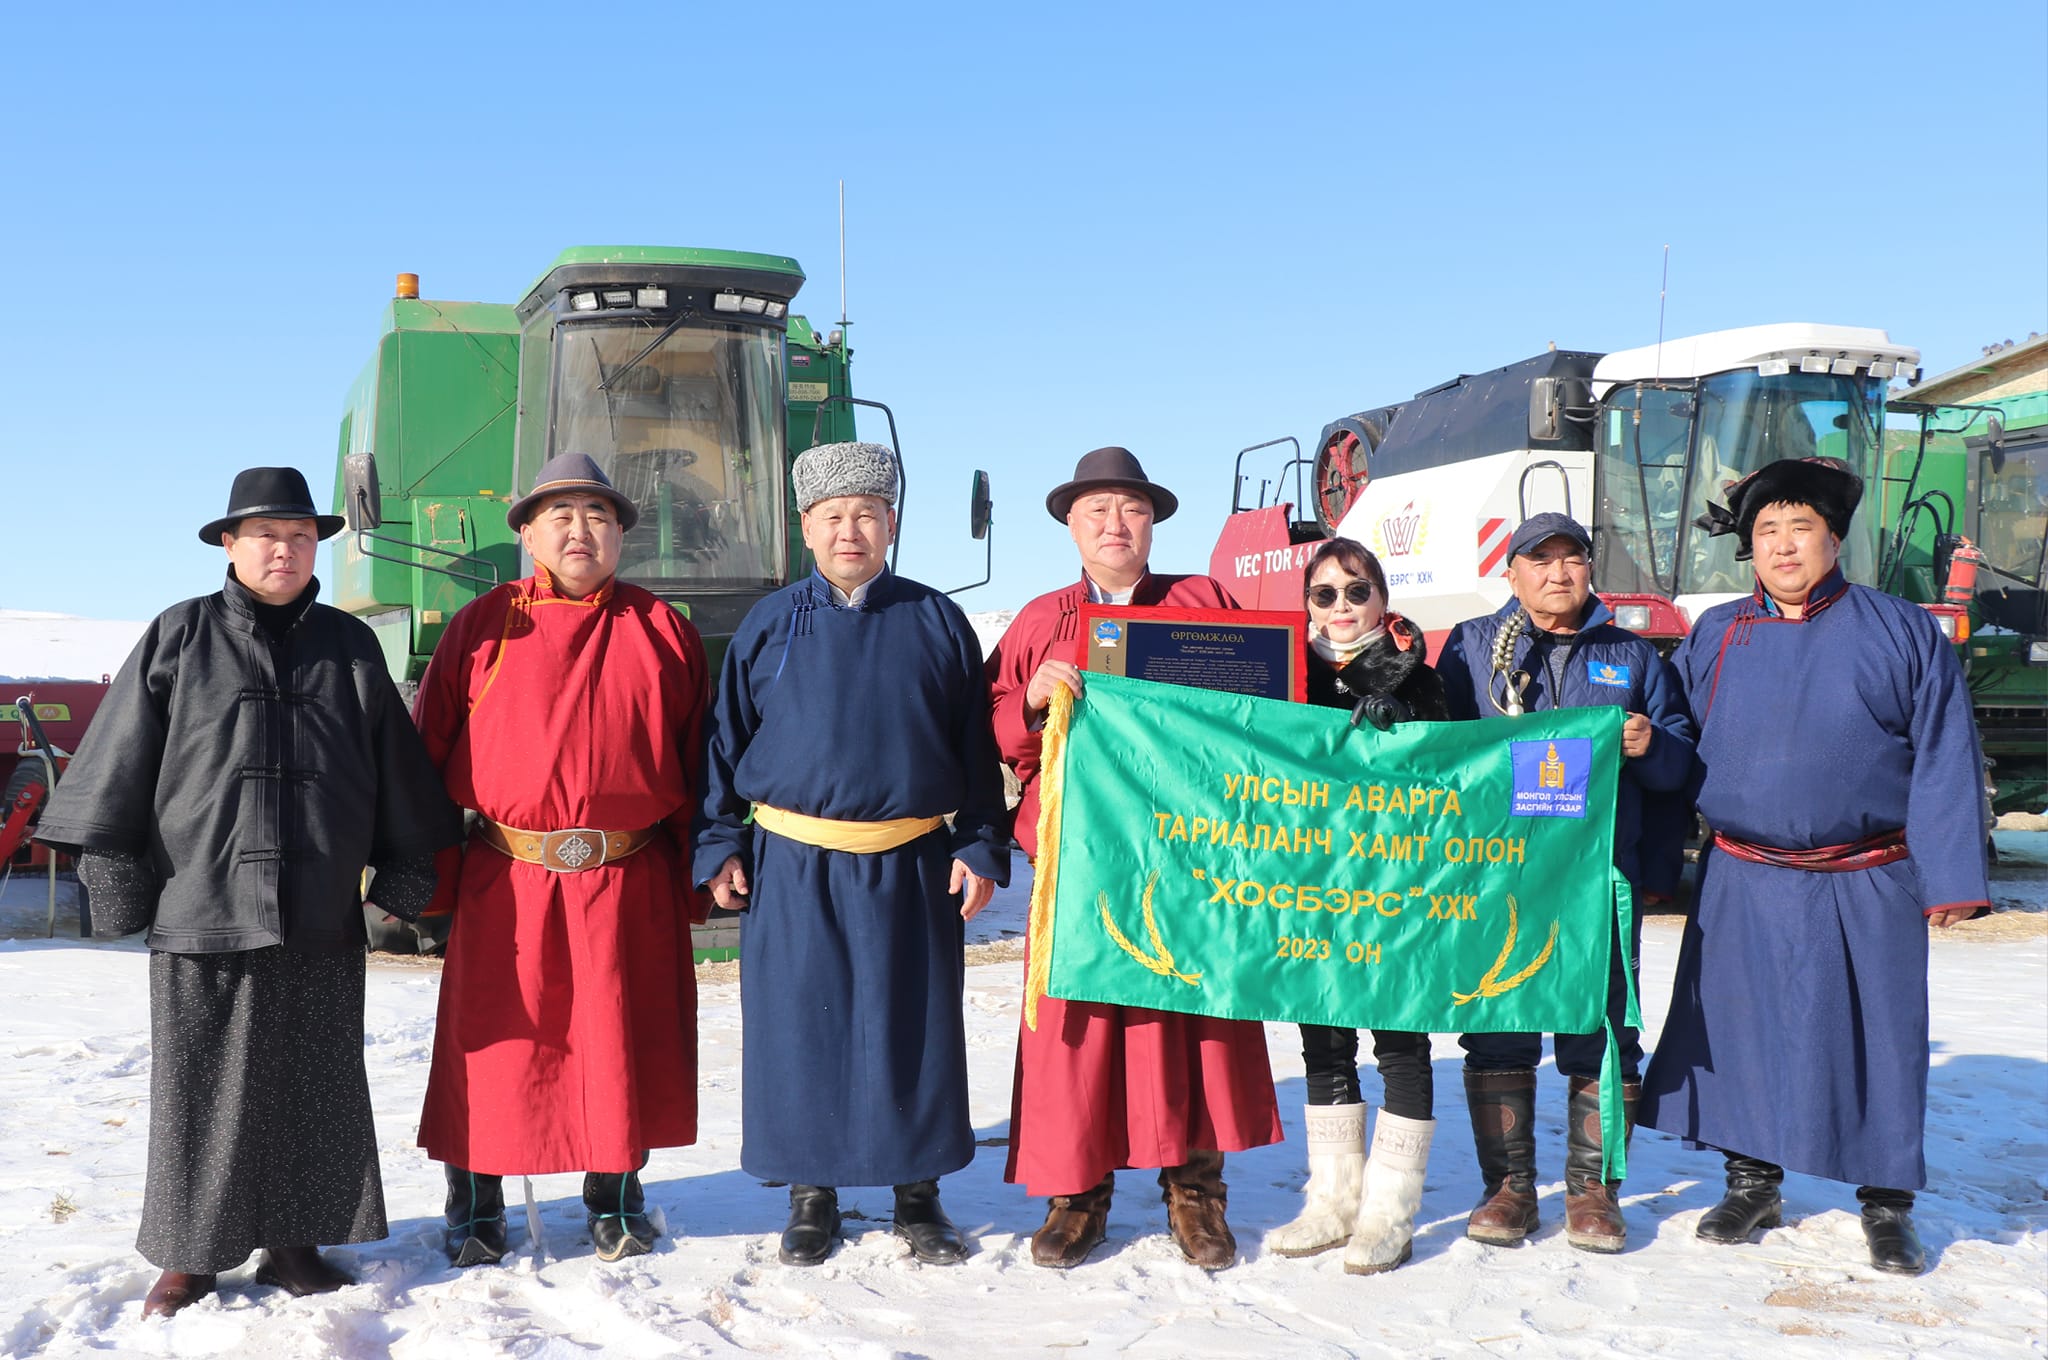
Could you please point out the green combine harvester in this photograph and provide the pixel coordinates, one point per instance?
(682, 372)
(1972, 530)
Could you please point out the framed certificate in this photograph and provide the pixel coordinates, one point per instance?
(1238, 651)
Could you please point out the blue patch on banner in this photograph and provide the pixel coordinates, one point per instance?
(1607, 673)
(1107, 632)
(1551, 777)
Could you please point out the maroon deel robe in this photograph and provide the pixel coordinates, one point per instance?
(567, 1032)
(1101, 1087)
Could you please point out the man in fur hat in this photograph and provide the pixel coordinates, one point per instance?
(250, 759)
(566, 710)
(851, 723)
(1101, 1087)
(1843, 786)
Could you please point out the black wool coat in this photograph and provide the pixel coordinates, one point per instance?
(255, 777)
(1384, 667)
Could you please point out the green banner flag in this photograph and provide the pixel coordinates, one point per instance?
(1248, 859)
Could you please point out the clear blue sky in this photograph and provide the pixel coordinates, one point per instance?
(1182, 228)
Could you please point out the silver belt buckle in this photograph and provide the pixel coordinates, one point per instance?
(573, 850)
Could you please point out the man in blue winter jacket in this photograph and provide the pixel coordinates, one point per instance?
(1556, 646)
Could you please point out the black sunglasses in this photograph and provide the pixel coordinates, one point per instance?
(1357, 592)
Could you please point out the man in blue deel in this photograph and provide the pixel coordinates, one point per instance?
(1554, 645)
(1843, 785)
(851, 722)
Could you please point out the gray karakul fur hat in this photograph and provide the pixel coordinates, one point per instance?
(852, 469)
(1829, 485)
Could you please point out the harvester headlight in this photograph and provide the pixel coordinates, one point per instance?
(1774, 368)
(2037, 652)
(753, 306)
(1947, 624)
(652, 297)
(584, 302)
(1813, 363)
(1634, 617)
(725, 302)
(1880, 368)
(618, 297)
(1843, 367)
(778, 310)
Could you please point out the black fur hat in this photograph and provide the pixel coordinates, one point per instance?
(1826, 484)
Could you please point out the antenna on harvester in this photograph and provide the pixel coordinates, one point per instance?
(842, 256)
(1663, 287)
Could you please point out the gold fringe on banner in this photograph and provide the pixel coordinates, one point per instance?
(1052, 777)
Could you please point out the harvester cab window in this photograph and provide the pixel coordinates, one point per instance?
(1746, 420)
(692, 432)
(1645, 434)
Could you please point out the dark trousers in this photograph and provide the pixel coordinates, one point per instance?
(1578, 1055)
(1330, 1055)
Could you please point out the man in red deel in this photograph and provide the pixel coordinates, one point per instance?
(566, 709)
(1101, 1087)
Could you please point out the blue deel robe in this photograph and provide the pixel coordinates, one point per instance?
(1798, 1023)
(852, 968)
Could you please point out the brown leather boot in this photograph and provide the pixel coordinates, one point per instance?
(1503, 1107)
(300, 1271)
(1592, 1209)
(173, 1290)
(1196, 1200)
(1074, 1226)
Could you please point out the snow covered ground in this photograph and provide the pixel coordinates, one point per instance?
(74, 1110)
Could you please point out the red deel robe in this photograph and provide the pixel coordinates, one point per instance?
(567, 1032)
(1101, 1087)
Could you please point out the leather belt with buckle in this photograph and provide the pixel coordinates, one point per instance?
(568, 851)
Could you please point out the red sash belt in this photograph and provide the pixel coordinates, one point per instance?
(1868, 853)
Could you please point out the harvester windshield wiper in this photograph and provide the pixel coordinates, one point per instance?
(666, 331)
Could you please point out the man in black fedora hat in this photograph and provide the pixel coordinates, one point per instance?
(251, 758)
(566, 710)
(1101, 1087)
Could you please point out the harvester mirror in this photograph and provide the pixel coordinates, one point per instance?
(1546, 409)
(362, 505)
(980, 506)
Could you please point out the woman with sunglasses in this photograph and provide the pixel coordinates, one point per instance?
(1372, 661)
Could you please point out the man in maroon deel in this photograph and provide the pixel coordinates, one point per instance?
(1101, 1087)
(566, 709)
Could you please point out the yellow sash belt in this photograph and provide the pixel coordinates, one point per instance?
(829, 833)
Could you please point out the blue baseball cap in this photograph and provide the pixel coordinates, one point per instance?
(1534, 530)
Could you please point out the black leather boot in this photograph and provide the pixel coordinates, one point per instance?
(921, 1222)
(813, 1225)
(1752, 1202)
(300, 1271)
(619, 1226)
(1888, 1228)
(476, 1218)
(1503, 1106)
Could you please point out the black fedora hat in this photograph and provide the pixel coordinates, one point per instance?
(274, 493)
(1108, 467)
(572, 472)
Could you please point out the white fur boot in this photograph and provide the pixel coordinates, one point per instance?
(1393, 1192)
(1336, 1170)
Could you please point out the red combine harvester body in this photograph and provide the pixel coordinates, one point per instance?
(63, 708)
